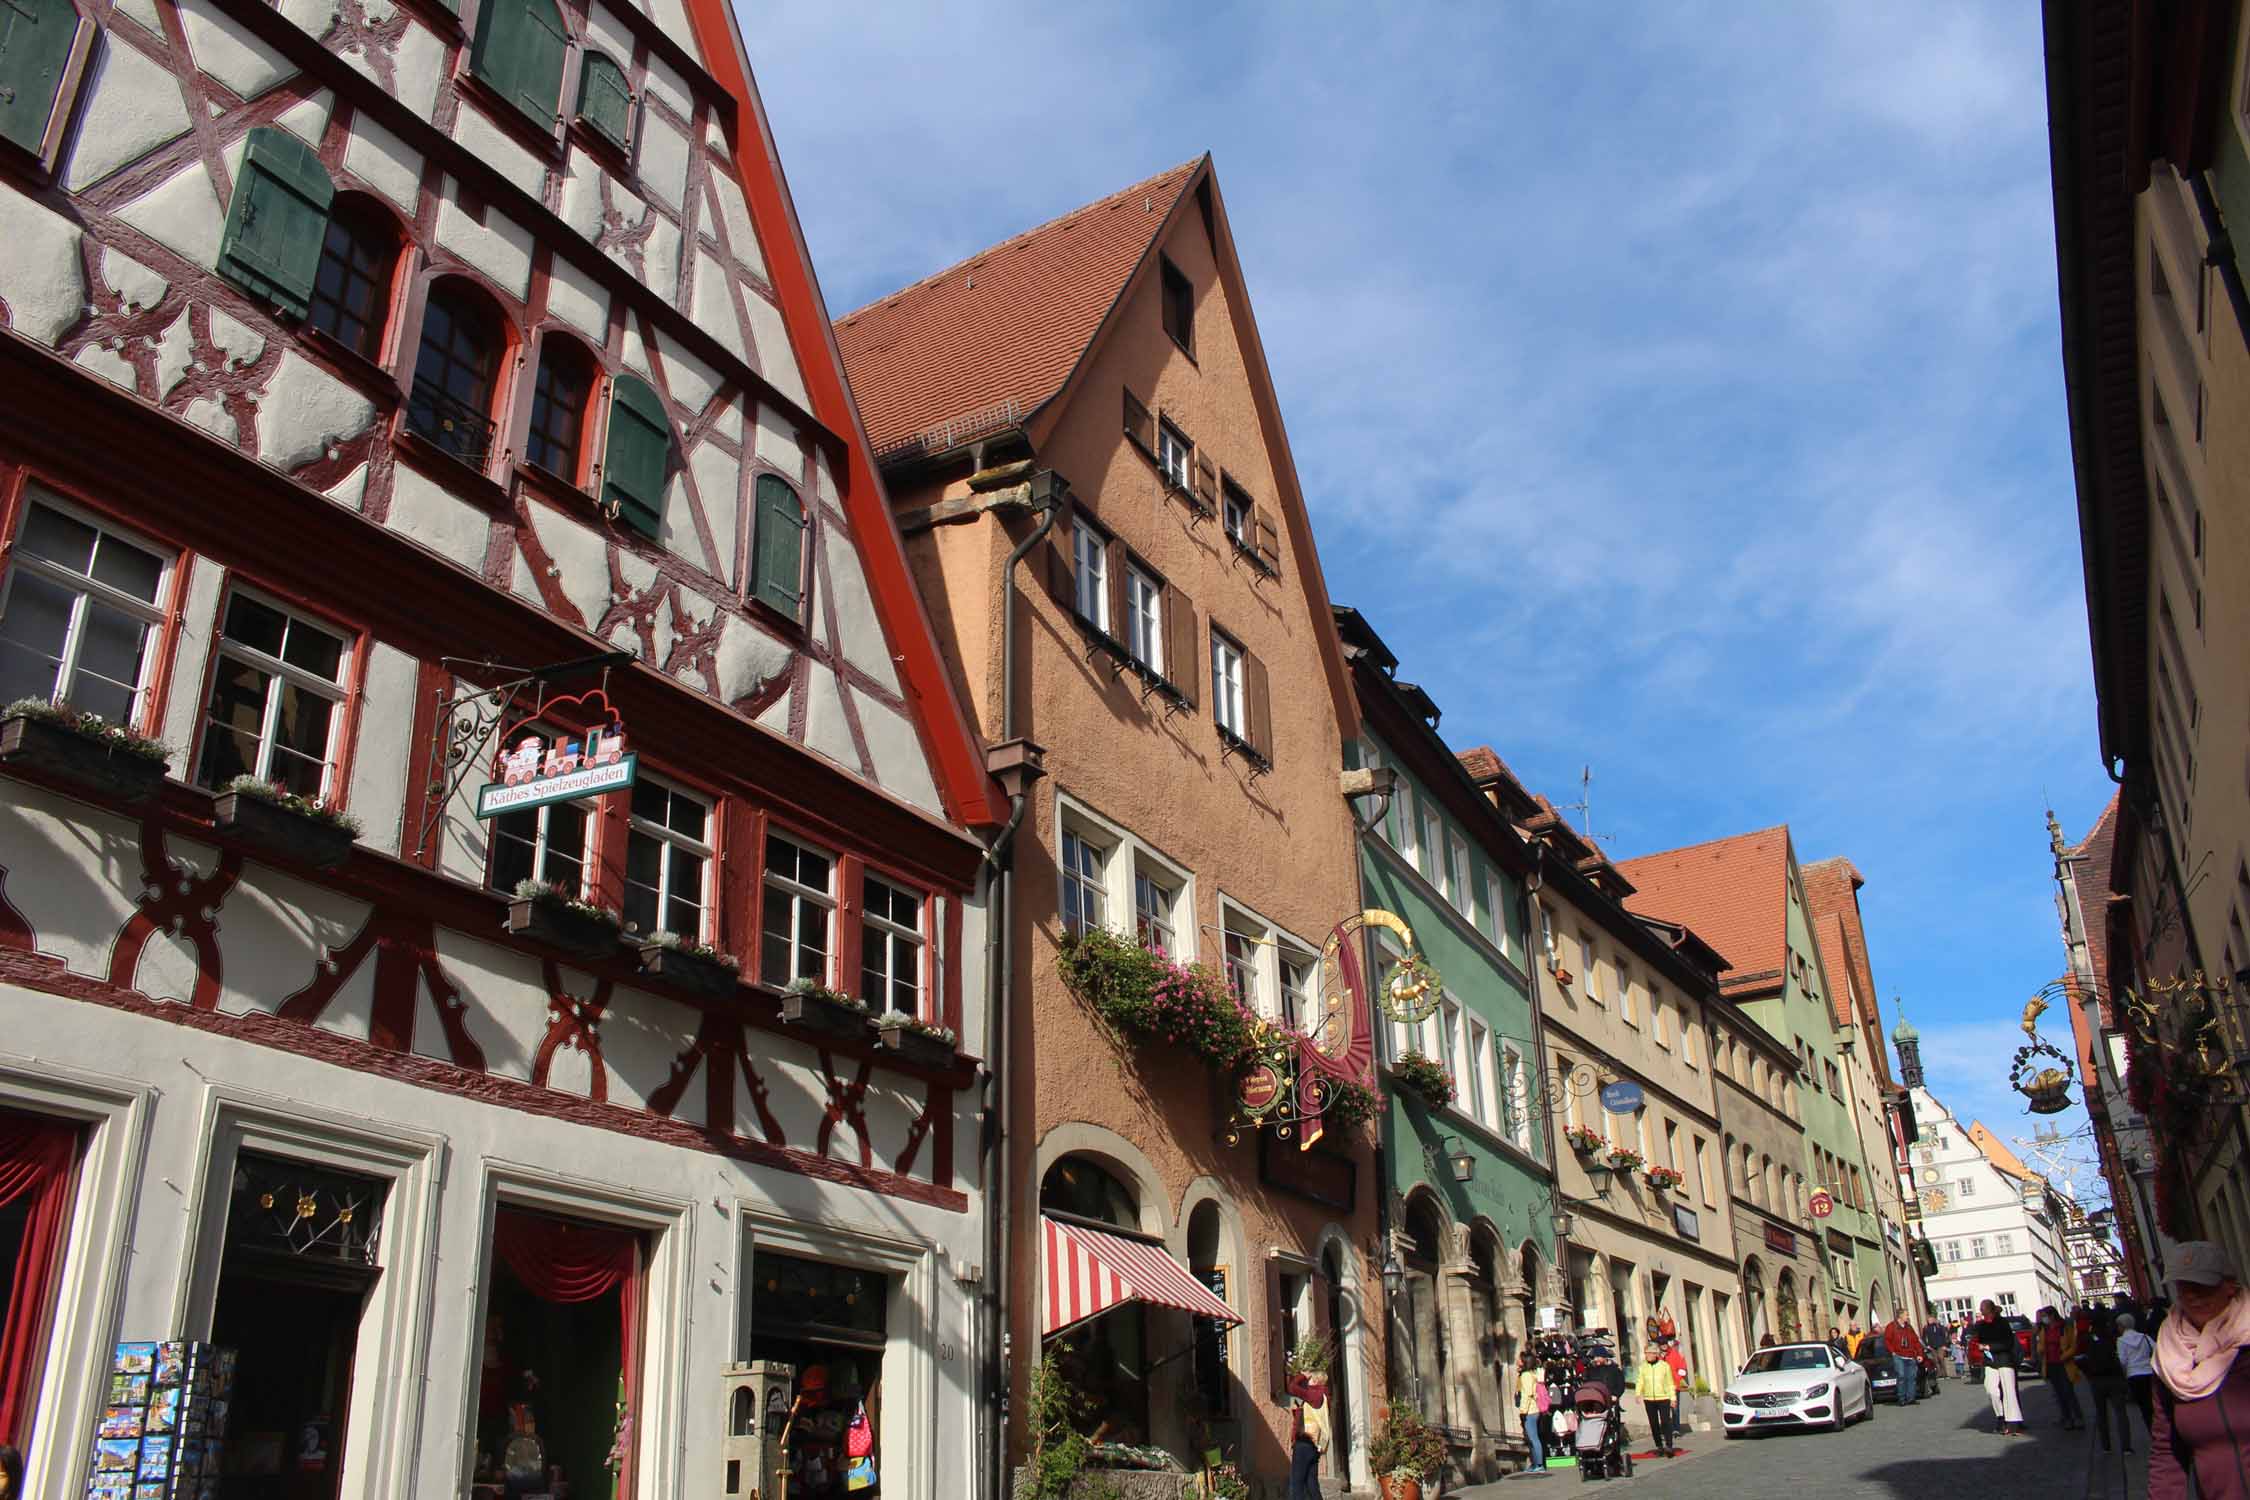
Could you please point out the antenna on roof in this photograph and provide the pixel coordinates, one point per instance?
(1584, 806)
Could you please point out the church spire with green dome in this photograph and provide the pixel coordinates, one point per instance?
(1908, 1041)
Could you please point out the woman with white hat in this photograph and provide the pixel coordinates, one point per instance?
(2203, 1385)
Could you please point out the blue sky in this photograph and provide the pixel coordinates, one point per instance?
(1676, 389)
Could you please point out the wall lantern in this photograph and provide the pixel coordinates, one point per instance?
(1394, 1275)
(1464, 1163)
(1565, 1222)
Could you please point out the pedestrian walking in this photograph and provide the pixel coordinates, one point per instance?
(1308, 1435)
(1998, 1341)
(1531, 1405)
(1655, 1387)
(2053, 1343)
(2099, 1362)
(1960, 1343)
(1855, 1338)
(2135, 1351)
(2203, 1397)
(1836, 1342)
(1905, 1349)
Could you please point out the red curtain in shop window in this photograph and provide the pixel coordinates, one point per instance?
(35, 1160)
(561, 1260)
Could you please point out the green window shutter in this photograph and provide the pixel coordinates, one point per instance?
(279, 216)
(35, 43)
(519, 51)
(778, 547)
(604, 101)
(638, 455)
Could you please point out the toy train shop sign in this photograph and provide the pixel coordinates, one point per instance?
(537, 765)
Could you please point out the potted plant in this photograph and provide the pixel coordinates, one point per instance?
(1625, 1159)
(823, 1011)
(1424, 1076)
(548, 914)
(303, 830)
(83, 749)
(920, 1042)
(1663, 1179)
(692, 966)
(1347, 1105)
(1583, 1139)
(1405, 1452)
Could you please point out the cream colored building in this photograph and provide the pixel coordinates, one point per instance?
(1782, 1267)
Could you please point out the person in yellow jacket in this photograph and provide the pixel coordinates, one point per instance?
(1657, 1390)
(1531, 1405)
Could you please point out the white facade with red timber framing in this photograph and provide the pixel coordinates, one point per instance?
(362, 354)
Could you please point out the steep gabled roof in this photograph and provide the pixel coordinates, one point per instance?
(1008, 324)
(1733, 891)
(1832, 903)
(2000, 1156)
(2096, 858)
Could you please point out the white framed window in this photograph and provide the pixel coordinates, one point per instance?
(1447, 1037)
(1300, 988)
(1240, 957)
(2003, 1244)
(1964, 1187)
(1175, 455)
(1405, 827)
(1976, 1247)
(1226, 686)
(1457, 874)
(551, 843)
(1627, 1011)
(1515, 1121)
(1951, 1250)
(1235, 514)
(796, 937)
(668, 858)
(1476, 1072)
(1156, 905)
(1085, 884)
(1659, 1017)
(1672, 1145)
(1432, 843)
(277, 697)
(1144, 619)
(1703, 1173)
(1590, 969)
(891, 947)
(79, 610)
(1090, 554)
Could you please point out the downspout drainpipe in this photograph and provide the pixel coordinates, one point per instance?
(1533, 946)
(1000, 1078)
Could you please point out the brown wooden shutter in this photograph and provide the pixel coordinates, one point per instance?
(1139, 425)
(1277, 1351)
(1114, 566)
(1206, 482)
(1182, 647)
(1257, 705)
(1062, 569)
(1268, 540)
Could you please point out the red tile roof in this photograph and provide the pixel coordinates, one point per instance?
(1733, 891)
(1006, 325)
(2096, 889)
(1832, 902)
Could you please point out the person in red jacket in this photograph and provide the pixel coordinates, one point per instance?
(2202, 1425)
(1905, 1348)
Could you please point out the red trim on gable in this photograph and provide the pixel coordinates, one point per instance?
(956, 756)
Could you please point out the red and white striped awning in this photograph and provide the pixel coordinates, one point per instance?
(1089, 1272)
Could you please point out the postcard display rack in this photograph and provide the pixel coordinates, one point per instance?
(165, 1425)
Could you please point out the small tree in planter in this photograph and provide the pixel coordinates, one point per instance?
(1425, 1076)
(693, 966)
(84, 749)
(1405, 1453)
(276, 820)
(920, 1042)
(548, 914)
(823, 1011)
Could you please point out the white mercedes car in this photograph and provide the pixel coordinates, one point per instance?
(1797, 1385)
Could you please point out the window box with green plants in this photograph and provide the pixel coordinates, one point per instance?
(274, 820)
(83, 749)
(822, 1011)
(1625, 1159)
(1405, 1453)
(920, 1042)
(549, 915)
(1663, 1179)
(1152, 998)
(696, 967)
(1584, 1141)
(1425, 1077)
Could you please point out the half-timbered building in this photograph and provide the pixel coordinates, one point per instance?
(366, 360)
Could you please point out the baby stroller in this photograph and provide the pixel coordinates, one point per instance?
(1600, 1442)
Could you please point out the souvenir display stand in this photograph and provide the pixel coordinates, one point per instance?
(164, 1429)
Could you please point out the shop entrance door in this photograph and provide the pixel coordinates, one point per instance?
(830, 1324)
(294, 1276)
(1339, 1369)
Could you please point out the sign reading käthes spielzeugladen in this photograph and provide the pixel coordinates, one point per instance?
(537, 769)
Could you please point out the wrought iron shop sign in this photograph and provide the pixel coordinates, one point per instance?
(535, 768)
(1821, 1204)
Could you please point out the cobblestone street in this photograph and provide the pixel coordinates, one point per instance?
(1938, 1448)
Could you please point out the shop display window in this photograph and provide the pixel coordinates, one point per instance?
(38, 1158)
(556, 1393)
(1105, 1358)
(829, 1324)
(298, 1263)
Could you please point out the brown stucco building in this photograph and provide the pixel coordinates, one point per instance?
(1084, 450)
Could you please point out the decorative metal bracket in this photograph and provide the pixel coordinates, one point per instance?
(473, 718)
(1099, 653)
(1153, 686)
(1233, 745)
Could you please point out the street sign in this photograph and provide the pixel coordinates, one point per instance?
(1621, 1098)
(1821, 1204)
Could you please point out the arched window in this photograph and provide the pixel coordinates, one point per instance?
(519, 51)
(777, 551)
(1081, 1186)
(1106, 1358)
(457, 372)
(351, 296)
(559, 397)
